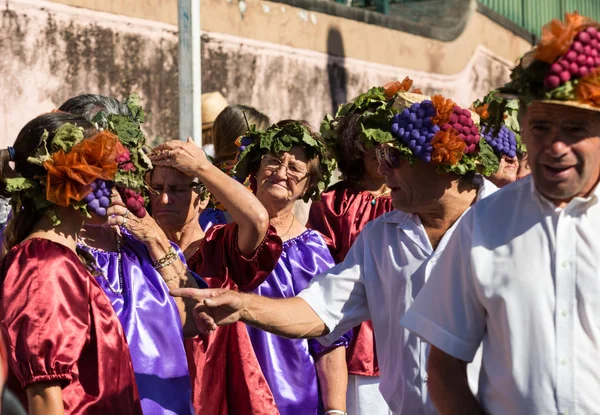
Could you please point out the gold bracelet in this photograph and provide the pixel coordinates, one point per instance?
(167, 260)
(178, 275)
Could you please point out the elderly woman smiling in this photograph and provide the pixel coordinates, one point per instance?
(288, 162)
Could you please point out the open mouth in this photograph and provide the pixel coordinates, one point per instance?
(557, 171)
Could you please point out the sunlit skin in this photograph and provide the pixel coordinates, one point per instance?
(507, 171)
(274, 187)
(563, 145)
(174, 203)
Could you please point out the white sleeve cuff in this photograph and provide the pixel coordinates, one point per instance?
(321, 310)
(438, 336)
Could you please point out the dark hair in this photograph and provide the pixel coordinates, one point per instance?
(28, 140)
(351, 149)
(315, 174)
(230, 124)
(88, 105)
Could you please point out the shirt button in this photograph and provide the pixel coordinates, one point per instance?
(565, 312)
(425, 378)
(566, 263)
(565, 413)
(564, 361)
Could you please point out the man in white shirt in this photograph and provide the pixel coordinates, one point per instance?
(521, 274)
(383, 271)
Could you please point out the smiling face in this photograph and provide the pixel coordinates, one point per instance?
(174, 203)
(563, 145)
(507, 171)
(282, 177)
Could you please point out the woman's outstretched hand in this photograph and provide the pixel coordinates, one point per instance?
(214, 308)
(183, 156)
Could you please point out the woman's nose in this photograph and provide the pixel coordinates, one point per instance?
(281, 172)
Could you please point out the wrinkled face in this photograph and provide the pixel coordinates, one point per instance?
(282, 177)
(507, 171)
(415, 187)
(174, 203)
(563, 145)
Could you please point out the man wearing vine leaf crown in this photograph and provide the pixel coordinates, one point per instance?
(528, 289)
(430, 166)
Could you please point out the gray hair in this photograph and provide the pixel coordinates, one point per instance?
(88, 105)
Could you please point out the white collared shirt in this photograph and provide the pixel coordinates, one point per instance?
(521, 277)
(384, 270)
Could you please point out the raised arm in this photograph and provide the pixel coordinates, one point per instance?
(448, 385)
(287, 317)
(245, 209)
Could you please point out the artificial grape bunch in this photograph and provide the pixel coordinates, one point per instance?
(504, 143)
(415, 128)
(461, 121)
(582, 57)
(124, 161)
(244, 143)
(98, 199)
(134, 201)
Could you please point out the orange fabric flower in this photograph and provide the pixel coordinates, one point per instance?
(482, 110)
(70, 174)
(443, 108)
(448, 148)
(557, 36)
(588, 89)
(392, 88)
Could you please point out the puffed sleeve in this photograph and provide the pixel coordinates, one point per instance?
(45, 311)
(220, 258)
(456, 321)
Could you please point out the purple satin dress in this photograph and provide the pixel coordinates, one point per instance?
(289, 364)
(151, 322)
(210, 217)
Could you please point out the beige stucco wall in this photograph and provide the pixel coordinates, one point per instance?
(274, 57)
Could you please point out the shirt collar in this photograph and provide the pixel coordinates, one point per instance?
(546, 203)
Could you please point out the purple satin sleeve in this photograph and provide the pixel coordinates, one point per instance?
(210, 217)
(152, 326)
(289, 364)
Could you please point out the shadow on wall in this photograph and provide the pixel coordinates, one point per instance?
(336, 70)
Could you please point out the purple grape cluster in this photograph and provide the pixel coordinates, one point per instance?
(503, 143)
(244, 143)
(582, 57)
(415, 129)
(99, 198)
(468, 131)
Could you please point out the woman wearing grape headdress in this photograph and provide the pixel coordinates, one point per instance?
(288, 162)
(67, 349)
(136, 264)
(504, 139)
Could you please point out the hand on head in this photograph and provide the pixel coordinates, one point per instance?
(183, 156)
(214, 308)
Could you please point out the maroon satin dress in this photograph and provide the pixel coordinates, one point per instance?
(227, 378)
(340, 215)
(59, 326)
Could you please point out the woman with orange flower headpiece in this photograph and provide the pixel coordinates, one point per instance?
(67, 350)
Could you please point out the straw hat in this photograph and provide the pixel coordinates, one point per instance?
(563, 68)
(212, 105)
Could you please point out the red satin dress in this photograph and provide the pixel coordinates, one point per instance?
(227, 378)
(340, 215)
(59, 325)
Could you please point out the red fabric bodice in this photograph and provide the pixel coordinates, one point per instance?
(227, 378)
(60, 326)
(340, 215)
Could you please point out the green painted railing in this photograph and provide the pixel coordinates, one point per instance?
(533, 14)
